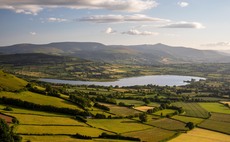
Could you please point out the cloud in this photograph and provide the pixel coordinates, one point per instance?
(136, 32)
(183, 4)
(121, 18)
(193, 25)
(35, 6)
(52, 19)
(109, 30)
(217, 44)
(33, 33)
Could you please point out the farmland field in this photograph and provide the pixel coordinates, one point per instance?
(151, 135)
(215, 107)
(39, 99)
(130, 102)
(217, 122)
(143, 108)
(168, 124)
(187, 119)
(201, 135)
(120, 111)
(117, 125)
(193, 109)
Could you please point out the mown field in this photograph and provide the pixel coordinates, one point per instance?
(217, 122)
(39, 99)
(201, 135)
(215, 107)
(168, 124)
(193, 109)
(187, 119)
(164, 112)
(152, 135)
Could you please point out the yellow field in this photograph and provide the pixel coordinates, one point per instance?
(202, 135)
(30, 129)
(143, 108)
(45, 120)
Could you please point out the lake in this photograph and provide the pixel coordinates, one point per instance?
(161, 80)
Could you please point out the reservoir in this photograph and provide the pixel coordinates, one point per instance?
(161, 80)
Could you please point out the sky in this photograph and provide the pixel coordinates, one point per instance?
(201, 24)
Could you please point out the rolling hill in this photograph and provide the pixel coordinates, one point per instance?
(135, 54)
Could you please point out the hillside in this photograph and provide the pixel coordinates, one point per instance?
(136, 54)
(10, 82)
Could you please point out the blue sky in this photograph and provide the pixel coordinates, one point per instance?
(201, 24)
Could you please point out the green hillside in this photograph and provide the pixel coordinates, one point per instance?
(10, 82)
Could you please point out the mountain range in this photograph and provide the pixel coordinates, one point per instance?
(133, 54)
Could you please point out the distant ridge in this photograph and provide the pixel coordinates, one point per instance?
(133, 54)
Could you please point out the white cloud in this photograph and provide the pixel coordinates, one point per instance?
(136, 32)
(109, 30)
(183, 4)
(33, 33)
(52, 19)
(121, 18)
(217, 44)
(193, 25)
(35, 6)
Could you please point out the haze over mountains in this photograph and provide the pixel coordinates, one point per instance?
(135, 54)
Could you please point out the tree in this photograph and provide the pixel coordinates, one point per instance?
(190, 125)
(5, 132)
(143, 117)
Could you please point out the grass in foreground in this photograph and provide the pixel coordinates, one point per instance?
(118, 125)
(215, 107)
(151, 135)
(201, 135)
(30, 129)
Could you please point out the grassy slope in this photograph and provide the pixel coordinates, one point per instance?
(11, 82)
(39, 99)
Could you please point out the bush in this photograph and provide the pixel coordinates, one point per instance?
(7, 108)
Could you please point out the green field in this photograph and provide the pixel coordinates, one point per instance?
(164, 112)
(11, 82)
(39, 99)
(215, 107)
(193, 109)
(186, 119)
(118, 125)
(151, 135)
(168, 124)
(217, 122)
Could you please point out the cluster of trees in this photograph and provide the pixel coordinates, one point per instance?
(100, 106)
(80, 101)
(120, 137)
(105, 99)
(6, 133)
(79, 136)
(48, 91)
